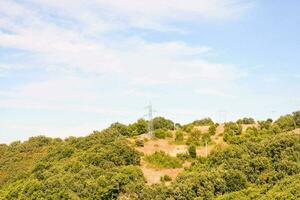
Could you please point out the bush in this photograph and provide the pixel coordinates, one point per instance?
(138, 128)
(120, 128)
(296, 116)
(203, 122)
(235, 180)
(212, 129)
(265, 124)
(179, 136)
(188, 128)
(192, 151)
(162, 160)
(286, 123)
(183, 156)
(231, 130)
(194, 138)
(162, 134)
(162, 123)
(139, 143)
(246, 120)
(165, 178)
(205, 138)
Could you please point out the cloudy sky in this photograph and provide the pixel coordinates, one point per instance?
(68, 67)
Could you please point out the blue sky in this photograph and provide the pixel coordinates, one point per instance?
(70, 67)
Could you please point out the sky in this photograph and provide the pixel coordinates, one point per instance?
(68, 67)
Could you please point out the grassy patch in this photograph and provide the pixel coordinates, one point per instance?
(162, 160)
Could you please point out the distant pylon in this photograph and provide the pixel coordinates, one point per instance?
(150, 118)
(225, 113)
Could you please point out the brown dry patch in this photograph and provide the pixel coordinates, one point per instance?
(220, 129)
(297, 131)
(217, 140)
(203, 129)
(152, 146)
(153, 175)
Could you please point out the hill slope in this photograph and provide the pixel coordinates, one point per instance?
(258, 161)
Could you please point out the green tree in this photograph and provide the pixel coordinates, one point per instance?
(192, 151)
(163, 123)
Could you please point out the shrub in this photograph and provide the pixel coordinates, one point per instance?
(205, 138)
(194, 138)
(138, 128)
(296, 116)
(165, 178)
(212, 129)
(120, 128)
(286, 123)
(162, 123)
(162, 160)
(179, 136)
(192, 151)
(231, 130)
(265, 124)
(139, 143)
(235, 180)
(246, 120)
(162, 134)
(203, 122)
(188, 128)
(183, 156)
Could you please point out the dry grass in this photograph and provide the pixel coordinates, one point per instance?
(162, 145)
(153, 175)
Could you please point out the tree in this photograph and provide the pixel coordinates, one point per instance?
(163, 123)
(212, 129)
(286, 122)
(179, 136)
(192, 151)
(296, 116)
(161, 133)
(138, 128)
(203, 122)
(120, 128)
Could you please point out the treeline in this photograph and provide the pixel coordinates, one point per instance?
(261, 162)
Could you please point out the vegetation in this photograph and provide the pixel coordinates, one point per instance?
(286, 123)
(246, 120)
(179, 136)
(161, 133)
(165, 178)
(162, 160)
(162, 123)
(98, 166)
(139, 143)
(261, 162)
(192, 151)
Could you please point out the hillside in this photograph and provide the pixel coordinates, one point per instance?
(246, 159)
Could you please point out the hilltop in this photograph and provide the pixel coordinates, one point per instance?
(246, 159)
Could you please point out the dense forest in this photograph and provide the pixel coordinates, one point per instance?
(258, 162)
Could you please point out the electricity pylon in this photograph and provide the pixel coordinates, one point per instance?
(150, 118)
(225, 113)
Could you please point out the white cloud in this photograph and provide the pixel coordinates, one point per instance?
(214, 92)
(79, 36)
(52, 41)
(155, 14)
